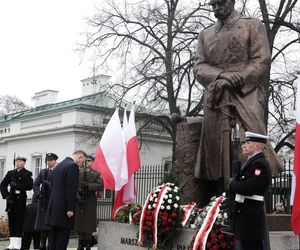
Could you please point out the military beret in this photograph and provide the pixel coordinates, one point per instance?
(90, 158)
(51, 156)
(249, 136)
(21, 158)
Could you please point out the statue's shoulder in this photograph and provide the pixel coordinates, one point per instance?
(208, 28)
(250, 19)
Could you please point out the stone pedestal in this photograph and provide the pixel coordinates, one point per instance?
(279, 222)
(187, 144)
(120, 236)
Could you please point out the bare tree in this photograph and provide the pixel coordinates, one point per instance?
(282, 25)
(11, 104)
(154, 42)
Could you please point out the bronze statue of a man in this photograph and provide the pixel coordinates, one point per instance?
(232, 57)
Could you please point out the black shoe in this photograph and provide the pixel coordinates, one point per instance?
(88, 245)
(80, 245)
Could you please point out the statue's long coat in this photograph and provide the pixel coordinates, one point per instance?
(239, 44)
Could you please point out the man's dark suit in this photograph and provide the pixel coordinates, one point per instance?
(62, 200)
(19, 181)
(249, 219)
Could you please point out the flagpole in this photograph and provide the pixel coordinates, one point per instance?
(112, 202)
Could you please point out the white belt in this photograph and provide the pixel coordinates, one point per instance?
(241, 198)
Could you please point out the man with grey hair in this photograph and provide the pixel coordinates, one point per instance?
(61, 208)
(249, 187)
(232, 59)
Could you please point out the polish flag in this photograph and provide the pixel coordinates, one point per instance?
(295, 221)
(128, 193)
(110, 157)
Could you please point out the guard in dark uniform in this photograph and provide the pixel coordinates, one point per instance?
(42, 190)
(19, 180)
(249, 187)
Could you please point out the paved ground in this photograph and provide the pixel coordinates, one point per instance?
(72, 244)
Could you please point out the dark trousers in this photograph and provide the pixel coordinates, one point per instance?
(58, 238)
(28, 237)
(249, 245)
(15, 223)
(44, 237)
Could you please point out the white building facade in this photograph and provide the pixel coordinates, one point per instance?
(64, 127)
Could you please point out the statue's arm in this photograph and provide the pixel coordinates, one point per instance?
(205, 73)
(259, 57)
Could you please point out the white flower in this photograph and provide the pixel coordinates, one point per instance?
(155, 200)
(177, 198)
(170, 195)
(168, 207)
(169, 189)
(225, 215)
(149, 206)
(162, 207)
(153, 205)
(176, 205)
(162, 202)
(166, 197)
(151, 198)
(175, 190)
(170, 201)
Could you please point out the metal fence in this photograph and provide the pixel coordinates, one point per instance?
(150, 176)
(280, 189)
(147, 177)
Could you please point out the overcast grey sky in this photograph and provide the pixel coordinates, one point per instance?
(37, 47)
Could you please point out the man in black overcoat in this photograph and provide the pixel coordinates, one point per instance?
(61, 208)
(19, 180)
(42, 190)
(249, 187)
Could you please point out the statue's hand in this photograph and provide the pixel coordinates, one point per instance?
(233, 77)
(219, 85)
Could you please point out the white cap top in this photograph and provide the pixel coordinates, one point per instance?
(249, 136)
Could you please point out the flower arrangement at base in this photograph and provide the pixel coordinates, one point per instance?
(207, 219)
(125, 213)
(218, 240)
(159, 217)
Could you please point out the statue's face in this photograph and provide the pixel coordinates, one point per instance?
(222, 8)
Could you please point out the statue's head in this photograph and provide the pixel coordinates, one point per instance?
(222, 8)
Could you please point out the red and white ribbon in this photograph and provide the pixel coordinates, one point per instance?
(187, 212)
(203, 232)
(142, 220)
(160, 199)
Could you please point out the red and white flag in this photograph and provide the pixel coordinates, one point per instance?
(295, 221)
(128, 193)
(110, 157)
